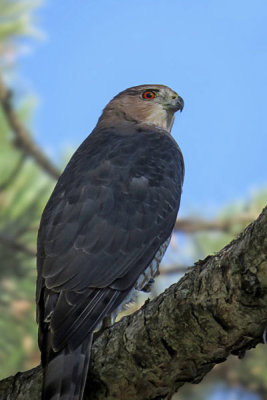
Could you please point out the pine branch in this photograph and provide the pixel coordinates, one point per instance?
(13, 244)
(218, 308)
(4, 185)
(192, 225)
(173, 269)
(23, 138)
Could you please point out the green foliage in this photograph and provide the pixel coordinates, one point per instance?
(24, 190)
(16, 22)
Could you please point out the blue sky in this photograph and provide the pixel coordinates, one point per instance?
(214, 53)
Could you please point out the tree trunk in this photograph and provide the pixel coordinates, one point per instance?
(218, 308)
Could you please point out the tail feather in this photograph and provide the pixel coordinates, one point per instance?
(66, 371)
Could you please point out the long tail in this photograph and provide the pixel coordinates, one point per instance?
(66, 371)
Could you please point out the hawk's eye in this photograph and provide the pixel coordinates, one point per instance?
(148, 95)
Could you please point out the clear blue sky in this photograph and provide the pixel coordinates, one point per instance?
(214, 53)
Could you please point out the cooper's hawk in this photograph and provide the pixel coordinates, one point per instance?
(105, 229)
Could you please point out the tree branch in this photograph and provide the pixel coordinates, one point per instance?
(173, 269)
(13, 244)
(218, 308)
(192, 225)
(4, 185)
(23, 136)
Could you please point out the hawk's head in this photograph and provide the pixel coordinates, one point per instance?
(148, 104)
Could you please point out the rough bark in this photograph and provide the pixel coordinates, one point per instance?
(218, 308)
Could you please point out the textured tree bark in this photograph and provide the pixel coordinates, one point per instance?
(218, 308)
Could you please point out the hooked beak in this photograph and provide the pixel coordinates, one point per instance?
(176, 104)
(179, 103)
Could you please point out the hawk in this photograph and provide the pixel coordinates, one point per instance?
(105, 229)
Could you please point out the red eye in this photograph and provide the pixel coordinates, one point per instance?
(148, 95)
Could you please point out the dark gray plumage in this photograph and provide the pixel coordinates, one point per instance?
(112, 209)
